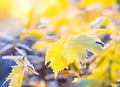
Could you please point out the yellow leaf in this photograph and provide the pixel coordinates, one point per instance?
(104, 3)
(68, 50)
(32, 33)
(76, 46)
(54, 55)
(16, 75)
(107, 68)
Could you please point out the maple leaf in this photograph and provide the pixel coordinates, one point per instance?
(68, 50)
(54, 55)
(76, 46)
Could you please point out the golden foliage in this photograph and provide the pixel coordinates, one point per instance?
(68, 50)
(76, 46)
(62, 18)
(107, 65)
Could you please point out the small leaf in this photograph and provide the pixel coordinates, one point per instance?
(16, 75)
